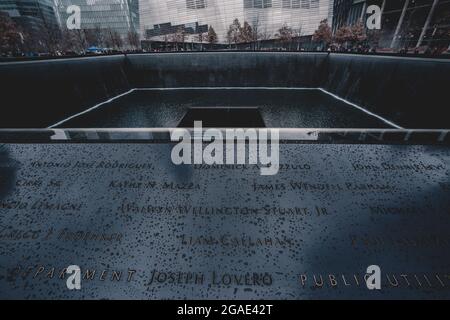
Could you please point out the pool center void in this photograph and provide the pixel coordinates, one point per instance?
(226, 89)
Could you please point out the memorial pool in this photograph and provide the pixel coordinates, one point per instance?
(275, 107)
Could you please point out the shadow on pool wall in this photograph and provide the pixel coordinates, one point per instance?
(411, 92)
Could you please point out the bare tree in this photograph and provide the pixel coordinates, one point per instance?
(298, 33)
(246, 33)
(358, 33)
(234, 32)
(107, 39)
(212, 35)
(256, 32)
(285, 34)
(80, 39)
(133, 39)
(323, 33)
(10, 35)
(91, 37)
(373, 38)
(166, 40)
(179, 37)
(343, 35)
(117, 40)
(49, 38)
(69, 42)
(114, 39)
(259, 33)
(264, 34)
(201, 37)
(100, 36)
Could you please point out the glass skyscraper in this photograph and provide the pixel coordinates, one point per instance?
(118, 15)
(33, 16)
(404, 23)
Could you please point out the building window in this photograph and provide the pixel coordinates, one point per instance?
(286, 4)
(305, 4)
(196, 4)
(259, 4)
(297, 4)
(267, 3)
(248, 4)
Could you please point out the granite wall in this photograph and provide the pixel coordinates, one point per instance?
(412, 92)
(36, 94)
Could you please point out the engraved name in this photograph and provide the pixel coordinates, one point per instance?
(323, 187)
(214, 278)
(41, 204)
(227, 240)
(399, 241)
(114, 164)
(133, 207)
(138, 184)
(418, 166)
(9, 233)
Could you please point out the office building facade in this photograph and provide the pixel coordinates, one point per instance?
(160, 18)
